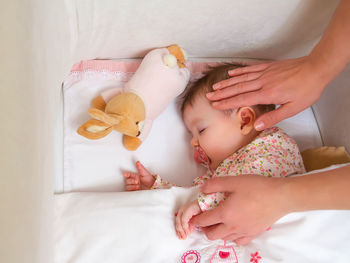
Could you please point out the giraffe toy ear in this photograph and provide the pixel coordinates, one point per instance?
(170, 60)
(179, 54)
(94, 129)
(110, 119)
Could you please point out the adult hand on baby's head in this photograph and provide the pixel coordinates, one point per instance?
(143, 180)
(295, 84)
(254, 204)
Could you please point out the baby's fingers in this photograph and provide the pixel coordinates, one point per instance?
(131, 178)
(132, 181)
(178, 226)
(142, 170)
(186, 216)
(132, 187)
(129, 175)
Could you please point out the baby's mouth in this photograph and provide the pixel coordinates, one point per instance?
(201, 157)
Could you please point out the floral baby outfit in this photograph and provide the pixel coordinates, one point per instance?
(272, 153)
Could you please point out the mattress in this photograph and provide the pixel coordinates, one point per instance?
(97, 165)
(96, 221)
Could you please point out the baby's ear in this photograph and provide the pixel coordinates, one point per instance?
(246, 116)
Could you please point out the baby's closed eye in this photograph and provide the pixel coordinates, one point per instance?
(201, 130)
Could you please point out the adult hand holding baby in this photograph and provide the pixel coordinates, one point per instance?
(245, 214)
(255, 202)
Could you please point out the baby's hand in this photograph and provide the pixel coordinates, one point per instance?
(138, 181)
(182, 226)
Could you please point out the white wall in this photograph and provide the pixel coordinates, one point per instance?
(267, 29)
(33, 62)
(333, 111)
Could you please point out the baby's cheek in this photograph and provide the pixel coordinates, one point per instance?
(214, 153)
(216, 147)
(220, 152)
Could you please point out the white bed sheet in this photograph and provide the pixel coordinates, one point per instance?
(97, 165)
(139, 227)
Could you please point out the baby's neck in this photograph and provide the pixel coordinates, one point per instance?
(247, 139)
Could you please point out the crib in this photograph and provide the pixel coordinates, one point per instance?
(42, 40)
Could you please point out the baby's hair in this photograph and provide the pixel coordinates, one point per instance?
(205, 84)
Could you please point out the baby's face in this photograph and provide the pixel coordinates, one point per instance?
(217, 133)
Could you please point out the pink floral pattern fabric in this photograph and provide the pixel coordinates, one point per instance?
(272, 153)
(159, 183)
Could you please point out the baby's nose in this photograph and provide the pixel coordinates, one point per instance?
(194, 142)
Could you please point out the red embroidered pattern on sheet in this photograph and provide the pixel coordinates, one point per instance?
(191, 256)
(255, 258)
(224, 254)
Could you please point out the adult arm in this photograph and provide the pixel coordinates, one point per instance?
(295, 84)
(255, 202)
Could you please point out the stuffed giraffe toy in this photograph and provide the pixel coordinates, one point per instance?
(161, 76)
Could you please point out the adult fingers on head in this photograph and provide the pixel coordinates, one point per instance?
(248, 69)
(269, 119)
(237, 79)
(234, 90)
(207, 218)
(241, 100)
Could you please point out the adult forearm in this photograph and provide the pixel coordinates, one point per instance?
(332, 53)
(325, 190)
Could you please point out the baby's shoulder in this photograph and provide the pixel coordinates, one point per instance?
(273, 141)
(274, 134)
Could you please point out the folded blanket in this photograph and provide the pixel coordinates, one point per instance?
(139, 227)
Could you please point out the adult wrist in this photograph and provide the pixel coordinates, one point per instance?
(322, 69)
(327, 63)
(293, 195)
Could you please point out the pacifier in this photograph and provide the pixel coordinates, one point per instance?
(200, 156)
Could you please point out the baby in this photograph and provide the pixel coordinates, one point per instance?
(227, 144)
